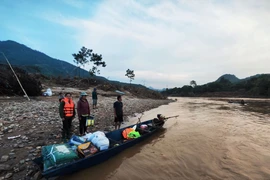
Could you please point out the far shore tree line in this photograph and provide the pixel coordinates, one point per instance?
(258, 86)
(86, 56)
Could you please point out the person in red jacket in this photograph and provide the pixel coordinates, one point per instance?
(67, 114)
(83, 110)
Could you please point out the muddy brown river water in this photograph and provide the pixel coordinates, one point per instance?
(209, 140)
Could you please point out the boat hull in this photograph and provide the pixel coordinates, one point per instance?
(96, 158)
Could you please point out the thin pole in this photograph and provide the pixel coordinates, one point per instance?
(15, 76)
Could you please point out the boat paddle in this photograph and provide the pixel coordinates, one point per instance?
(170, 117)
(158, 127)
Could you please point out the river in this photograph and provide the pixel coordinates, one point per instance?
(209, 140)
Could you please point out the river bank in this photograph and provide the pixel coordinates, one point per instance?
(33, 124)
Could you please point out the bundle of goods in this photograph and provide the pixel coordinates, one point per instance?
(76, 140)
(57, 154)
(130, 133)
(87, 149)
(143, 129)
(99, 139)
(89, 144)
(82, 145)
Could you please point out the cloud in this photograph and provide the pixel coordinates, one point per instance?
(174, 42)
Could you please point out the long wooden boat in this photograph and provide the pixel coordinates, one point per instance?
(99, 157)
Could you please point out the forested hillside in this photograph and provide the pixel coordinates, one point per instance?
(34, 61)
(255, 86)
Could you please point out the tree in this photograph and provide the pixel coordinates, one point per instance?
(97, 61)
(81, 58)
(130, 74)
(85, 56)
(193, 83)
(186, 90)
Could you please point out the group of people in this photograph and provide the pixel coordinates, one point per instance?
(67, 112)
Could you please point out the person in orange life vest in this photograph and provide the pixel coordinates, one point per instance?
(67, 113)
(83, 111)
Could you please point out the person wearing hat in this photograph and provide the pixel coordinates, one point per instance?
(67, 113)
(159, 121)
(83, 111)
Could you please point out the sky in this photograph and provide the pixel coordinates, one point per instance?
(167, 43)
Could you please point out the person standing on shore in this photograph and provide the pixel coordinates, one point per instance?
(94, 98)
(118, 112)
(60, 97)
(67, 114)
(83, 111)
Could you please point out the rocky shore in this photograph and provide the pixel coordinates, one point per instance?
(26, 126)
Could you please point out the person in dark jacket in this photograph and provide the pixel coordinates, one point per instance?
(60, 97)
(94, 98)
(67, 114)
(159, 121)
(118, 112)
(83, 110)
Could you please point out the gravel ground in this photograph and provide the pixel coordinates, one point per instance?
(37, 123)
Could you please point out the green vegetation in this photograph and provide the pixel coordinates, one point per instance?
(85, 56)
(255, 86)
(130, 74)
(193, 83)
(10, 86)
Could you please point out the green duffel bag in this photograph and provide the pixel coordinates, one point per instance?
(134, 134)
(57, 154)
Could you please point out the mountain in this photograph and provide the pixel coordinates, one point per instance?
(155, 89)
(233, 79)
(253, 86)
(254, 76)
(230, 77)
(37, 62)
